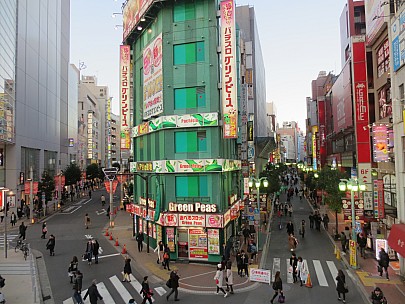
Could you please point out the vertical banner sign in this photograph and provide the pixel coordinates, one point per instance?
(380, 143)
(314, 148)
(229, 84)
(360, 93)
(109, 128)
(322, 130)
(379, 199)
(153, 79)
(353, 254)
(125, 71)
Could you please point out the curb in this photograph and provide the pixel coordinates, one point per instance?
(43, 285)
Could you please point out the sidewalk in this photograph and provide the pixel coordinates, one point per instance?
(194, 278)
(366, 275)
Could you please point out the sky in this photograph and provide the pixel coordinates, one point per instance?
(298, 39)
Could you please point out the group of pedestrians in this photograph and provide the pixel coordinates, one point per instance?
(163, 255)
(315, 219)
(92, 249)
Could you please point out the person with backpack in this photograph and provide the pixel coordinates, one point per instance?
(278, 288)
(146, 291)
(173, 283)
(383, 262)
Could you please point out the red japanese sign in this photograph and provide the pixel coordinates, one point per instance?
(358, 209)
(34, 187)
(114, 185)
(121, 178)
(379, 211)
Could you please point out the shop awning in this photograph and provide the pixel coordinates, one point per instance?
(396, 239)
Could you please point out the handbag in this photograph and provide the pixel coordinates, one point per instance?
(216, 281)
(379, 268)
(169, 283)
(166, 256)
(281, 298)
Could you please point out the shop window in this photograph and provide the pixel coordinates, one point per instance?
(188, 53)
(190, 141)
(383, 59)
(186, 98)
(183, 11)
(192, 186)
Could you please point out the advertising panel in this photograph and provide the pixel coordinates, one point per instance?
(379, 199)
(360, 91)
(380, 243)
(229, 75)
(132, 13)
(260, 275)
(353, 254)
(198, 244)
(398, 41)
(342, 100)
(125, 72)
(358, 209)
(213, 241)
(191, 220)
(322, 130)
(170, 237)
(171, 219)
(314, 148)
(214, 220)
(380, 143)
(374, 10)
(153, 78)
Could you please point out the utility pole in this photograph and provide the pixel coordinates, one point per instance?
(31, 194)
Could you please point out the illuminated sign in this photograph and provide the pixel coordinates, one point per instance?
(192, 207)
(380, 143)
(125, 72)
(90, 135)
(144, 166)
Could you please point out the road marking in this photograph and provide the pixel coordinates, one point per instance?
(86, 202)
(276, 267)
(69, 210)
(104, 293)
(319, 273)
(125, 295)
(370, 281)
(104, 256)
(160, 290)
(290, 278)
(333, 270)
(101, 212)
(69, 301)
(88, 236)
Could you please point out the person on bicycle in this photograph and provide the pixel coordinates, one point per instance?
(102, 200)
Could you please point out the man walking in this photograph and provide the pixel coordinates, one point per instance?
(21, 229)
(139, 239)
(174, 285)
(383, 262)
(92, 293)
(362, 245)
(311, 220)
(102, 200)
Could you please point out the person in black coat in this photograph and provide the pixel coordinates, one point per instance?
(22, 229)
(139, 239)
(293, 264)
(174, 285)
(145, 291)
(362, 241)
(92, 293)
(127, 270)
(51, 245)
(383, 262)
(96, 247)
(290, 228)
(341, 285)
(277, 286)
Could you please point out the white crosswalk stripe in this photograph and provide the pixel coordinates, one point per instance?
(290, 278)
(319, 273)
(333, 270)
(10, 238)
(276, 267)
(126, 291)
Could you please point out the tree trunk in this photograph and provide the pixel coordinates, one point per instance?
(337, 224)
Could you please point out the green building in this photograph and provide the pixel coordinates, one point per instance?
(184, 63)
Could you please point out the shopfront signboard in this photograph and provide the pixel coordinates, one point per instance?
(198, 244)
(214, 220)
(213, 241)
(191, 220)
(170, 238)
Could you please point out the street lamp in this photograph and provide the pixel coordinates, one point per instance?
(257, 182)
(353, 185)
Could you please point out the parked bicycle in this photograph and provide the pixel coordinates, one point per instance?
(22, 246)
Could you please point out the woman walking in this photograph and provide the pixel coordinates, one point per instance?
(277, 287)
(292, 242)
(51, 245)
(89, 251)
(44, 230)
(341, 286)
(302, 270)
(146, 291)
(96, 247)
(73, 268)
(166, 257)
(219, 277)
(87, 221)
(160, 251)
(302, 229)
(127, 270)
(173, 283)
(229, 276)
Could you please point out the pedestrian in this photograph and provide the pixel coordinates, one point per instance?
(44, 230)
(343, 241)
(51, 245)
(73, 268)
(348, 236)
(229, 276)
(146, 292)
(2, 214)
(290, 209)
(253, 252)
(160, 251)
(311, 220)
(302, 270)
(166, 257)
(13, 219)
(174, 285)
(102, 200)
(277, 287)
(292, 242)
(90, 193)
(285, 208)
(302, 229)
(96, 248)
(76, 295)
(290, 228)
(317, 220)
(239, 263)
(362, 241)
(325, 221)
(78, 281)
(127, 270)
(377, 296)
(139, 238)
(219, 277)
(246, 234)
(293, 266)
(341, 286)
(92, 293)
(89, 251)
(87, 221)
(245, 263)
(383, 262)
(22, 229)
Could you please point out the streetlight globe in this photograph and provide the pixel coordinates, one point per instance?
(362, 187)
(250, 183)
(257, 183)
(316, 175)
(342, 186)
(349, 186)
(265, 183)
(355, 188)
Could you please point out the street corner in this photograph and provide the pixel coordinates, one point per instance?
(371, 280)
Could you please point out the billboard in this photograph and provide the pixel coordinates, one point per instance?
(322, 130)
(398, 41)
(374, 10)
(133, 11)
(229, 75)
(125, 72)
(380, 143)
(153, 78)
(342, 100)
(360, 92)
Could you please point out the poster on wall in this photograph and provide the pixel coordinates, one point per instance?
(159, 233)
(197, 242)
(153, 79)
(380, 143)
(170, 239)
(213, 241)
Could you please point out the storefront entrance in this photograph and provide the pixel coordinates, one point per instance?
(192, 244)
(182, 244)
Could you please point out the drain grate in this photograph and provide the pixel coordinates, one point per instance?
(45, 298)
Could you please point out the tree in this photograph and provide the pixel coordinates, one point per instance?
(46, 185)
(117, 165)
(92, 171)
(72, 174)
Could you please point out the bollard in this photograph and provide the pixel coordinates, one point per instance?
(337, 254)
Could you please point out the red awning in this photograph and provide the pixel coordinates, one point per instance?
(396, 239)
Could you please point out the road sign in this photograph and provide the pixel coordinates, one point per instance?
(110, 173)
(114, 186)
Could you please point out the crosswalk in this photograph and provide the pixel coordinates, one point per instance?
(10, 238)
(323, 273)
(126, 291)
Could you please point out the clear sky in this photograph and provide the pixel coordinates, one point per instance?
(298, 39)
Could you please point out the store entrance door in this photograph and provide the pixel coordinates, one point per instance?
(182, 244)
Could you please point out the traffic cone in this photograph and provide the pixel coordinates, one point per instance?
(116, 242)
(309, 283)
(111, 238)
(124, 250)
(106, 232)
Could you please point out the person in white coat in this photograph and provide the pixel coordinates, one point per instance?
(302, 270)
(229, 276)
(219, 277)
(160, 251)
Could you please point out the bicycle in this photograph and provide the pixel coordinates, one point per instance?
(22, 246)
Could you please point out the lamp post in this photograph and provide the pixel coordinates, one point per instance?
(258, 182)
(353, 185)
(316, 175)
(31, 180)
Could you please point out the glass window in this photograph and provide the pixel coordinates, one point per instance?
(192, 186)
(183, 11)
(186, 98)
(188, 53)
(190, 141)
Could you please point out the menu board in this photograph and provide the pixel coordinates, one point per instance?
(170, 239)
(197, 244)
(213, 241)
